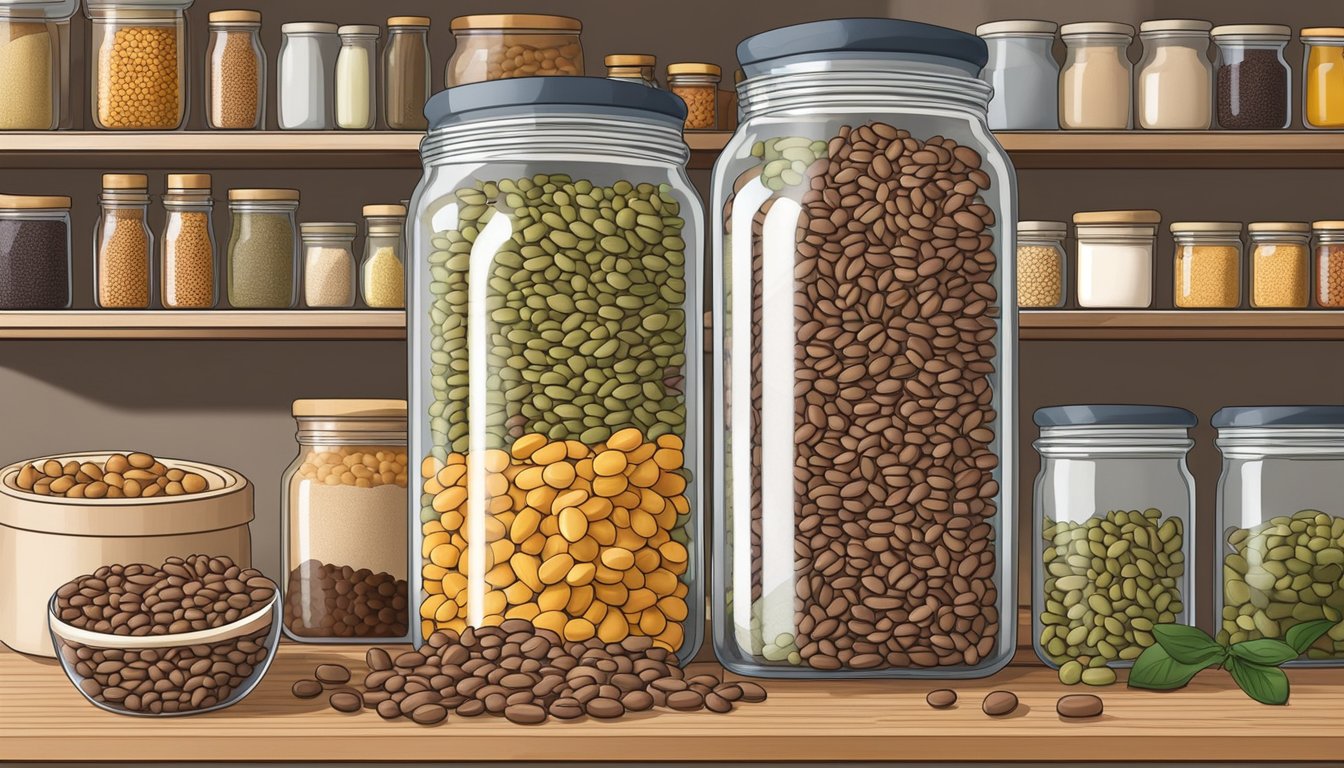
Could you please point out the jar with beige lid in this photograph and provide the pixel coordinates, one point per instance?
(1175, 77)
(638, 67)
(500, 46)
(1207, 264)
(122, 238)
(329, 264)
(1280, 264)
(34, 251)
(384, 267)
(1116, 258)
(263, 248)
(187, 265)
(1095, 86)
(235, 72)
(406, 73)
(697, 84)
(1040, 263)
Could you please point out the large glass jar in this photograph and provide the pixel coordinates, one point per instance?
(235, 72)
(122, 243)
(1023, 73)
(345, 527)
(500, 46)
(1281, 524)
(138, 64)
(1175, 77)
(357, 78)
(384, 264)
(1095, 86)
(306, 79)
(187, 275)
(1116, 255)
(1206, 264)
(1280, 264)
(1114, 532)
(555, 362)
(263, 265)
(406, 73)
(34, 252)
(1323, 77)
(1254, 84)
(864, 325)
(34, 61)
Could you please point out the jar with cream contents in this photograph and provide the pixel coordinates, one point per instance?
(1207, 264)
(1040, 263)
(1115, 258)
(1095, 85)
(356, 81)
(328, 264)
(1175, 79)
(1280, 266)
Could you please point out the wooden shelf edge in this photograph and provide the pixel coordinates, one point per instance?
(206, 324)
(1180, 325)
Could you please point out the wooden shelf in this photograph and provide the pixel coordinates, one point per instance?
(1174, 149)
(210, 324)
(1178, 325)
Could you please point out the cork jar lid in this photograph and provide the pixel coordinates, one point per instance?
(32, 202)
(1017, 27)
(1117, 217)
(260, 195)
(384, 210)
(1209, 227)
(188, 181)
(1300, 227)
(329, 228)
(536, 21)
(694, 68)
(1096, 28)
(408, 21)
(235, 17)
(630, 60)
(358, 408)
(125, 181)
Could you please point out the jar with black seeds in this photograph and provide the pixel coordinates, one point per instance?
(34, 252)
(1253, 80)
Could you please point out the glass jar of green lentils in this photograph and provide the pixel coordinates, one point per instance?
(1114, 548)
(553, 243)
(1281, 525)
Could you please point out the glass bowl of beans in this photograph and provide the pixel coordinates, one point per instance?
(191, 636)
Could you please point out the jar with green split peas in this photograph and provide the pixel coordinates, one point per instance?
(1114, 532)
(263, 263)
(554, 365)
(1281, 525)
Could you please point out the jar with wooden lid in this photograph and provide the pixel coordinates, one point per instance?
(34, 251)
(235, 72)
(500, 46)
(328, 264)
(263, 248)
(637, 67)
(698, 85)
(406, 73)
(1116, 258)
(1322, 87)
(1328, 246)
(1040, 263)
(187, 265)
(384, 270)
(1175, 76)
(1095, 85)
(123, 243)
(1207, 264)
(1280, 264)
(138, 64)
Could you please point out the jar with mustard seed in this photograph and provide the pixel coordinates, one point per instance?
(1280, 264)
(122, 243)
(235, 72)
(383, 274)
(1328, 247)
(137, 57)
(697, 84)
(1040, 263)
(1207, 264)
(187, 263)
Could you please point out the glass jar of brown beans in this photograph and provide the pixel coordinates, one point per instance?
(137, 58)
(122, 243)
(698, 86)
(1280, 264)
(500, 46)
(1040, 263)
(235, 72)
(1328, 245)
(1207, 264)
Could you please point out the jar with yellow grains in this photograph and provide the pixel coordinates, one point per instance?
(1280, 264)
(1207, 264)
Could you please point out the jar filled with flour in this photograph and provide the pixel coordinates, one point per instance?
(1096, 84)
(1175, 77)
(345, 523)
(1116, 258)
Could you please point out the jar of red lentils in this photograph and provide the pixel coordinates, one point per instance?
(1328, 245)
(697, 85)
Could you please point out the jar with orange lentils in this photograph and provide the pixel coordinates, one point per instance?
(698, 85)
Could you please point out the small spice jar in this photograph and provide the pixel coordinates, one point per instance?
(328, 264)
(1280, 264)
(138, 78)
(698, 86)
(263, 246)
(1116, 258)
(1328, 243)
(235, 72)
(500, 46)
(356, 78)
(346, 532)
(33, 59)
(1207, 264)
(1095, 85)
(1175, 77)
(384, 270)
(637, 67)
(123, 243)
(307, 77)
(34, 252)
(1040, 263)
(1322, 86)
(1254, 82)
(1025, 76)
(187, 264)
(406, 73)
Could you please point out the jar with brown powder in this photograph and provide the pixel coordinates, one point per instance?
(187, 259)
(406, 73)
(235, 72)
(122, 243)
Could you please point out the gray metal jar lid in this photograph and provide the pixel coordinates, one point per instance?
(1114, 416)
(860, 36)
(1280, 416)
(600, 94)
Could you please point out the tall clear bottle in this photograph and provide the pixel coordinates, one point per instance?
(188, 267)
(357, 78)
(123, 243)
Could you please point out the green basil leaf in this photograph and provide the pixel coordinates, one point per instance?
(1267, 651)
(1267, 685)
(1302, 636)
(1188, 645)
(1156, 670)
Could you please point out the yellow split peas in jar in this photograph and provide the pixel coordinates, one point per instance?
(139, 79)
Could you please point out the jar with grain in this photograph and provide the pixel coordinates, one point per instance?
(33, 60)
(1207, 264)
(1175, 76)
(1280, 264)
(1116, 258)
(698, 86)
(329, 264)
(137, 58)
(1024, 74)
(345, 525)
(357, 78)
(307, 77)
(500, 46)
(263, 265)
(1040, 263)
(1115, 534)
(1328, 245)
(235, 72)
(34, 252)
(1095, 85)
(187, 274)
(864, 323)
(384, 270)
(122, 243)
(1255, 85)
(1281, 525)
(406, 73)
(636, 67)
(1322, 86)
(553, 278)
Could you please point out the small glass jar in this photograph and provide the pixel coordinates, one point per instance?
(1114, 531)
(356, 78)
(187, 269)
(1025, 76)
(406, 73)
(1175, 77)
(500, 46)
(1254, 84)
(33, 59)
(1280, 264)
(123, 243)
(698, 85)
(235, 72)
(1040, 263)
(1116, 258)
(1281, 525)
(346, 532)
(307, 77)
(636, 67)
(263, 249)
(1328, 245)
(384, 267)
(1322, 77)
(329, 264)
(34, 252)
(1095, 85)
(138, 62)
(1207, 264)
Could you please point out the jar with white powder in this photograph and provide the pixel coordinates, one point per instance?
(329, 264)
(344, 507)
(1116, 258)
(307, 76)
(1175, 78)
(1095, 86)
(356, 78)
